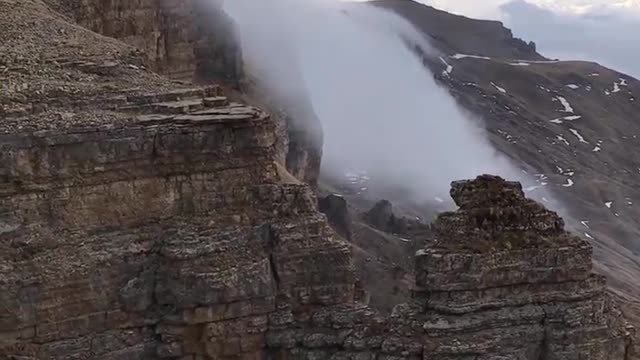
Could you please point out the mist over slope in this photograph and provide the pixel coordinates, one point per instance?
(381, 110)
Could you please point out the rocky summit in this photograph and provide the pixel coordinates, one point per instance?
(148, 218)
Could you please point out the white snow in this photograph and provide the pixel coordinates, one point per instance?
(449, 68)
(607, 92)
(569, 118)
(597, 149)
(589, 236)
(570, 173)
(559, 137)
(588, 88)
(616, 88)
(544, 88)
(585, 223)
(623, 82)
(545, 199)
(577, 134)
(608, 204)
(533, 188)
(405, 240)
(502, 90)
(573, 86)
(462, 56)
(560, 170)
(565, 104)
(520, 63)
(629, 202)
(569, 183)
(539, 61)
(439, 199)
(594, 74)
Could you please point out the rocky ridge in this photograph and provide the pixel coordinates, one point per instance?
(142, 219)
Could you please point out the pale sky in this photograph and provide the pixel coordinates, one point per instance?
(490, 9)
(605, 31)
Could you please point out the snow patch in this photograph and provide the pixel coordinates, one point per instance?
(608, 204)
(462, 56)
(565, 104)
(439, 199)
(559, 137)
(533, 188)
(573, 86)
(585, 223)
(519, 64)
(623, 82)
(568, 118)
(449, 68)
(616, 88)
(589, 236)
(502, 90)
(577, 134)
(569, 183)
(594, 74)
(597, 149)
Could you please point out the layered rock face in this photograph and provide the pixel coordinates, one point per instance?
(165, 237)
(196, 40)
(503, 280)
(192, 39)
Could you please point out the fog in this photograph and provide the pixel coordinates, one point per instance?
(381, 110)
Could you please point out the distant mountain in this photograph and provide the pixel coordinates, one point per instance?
(573, 124)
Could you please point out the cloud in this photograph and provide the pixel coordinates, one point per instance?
(380, 108)
(604, 31)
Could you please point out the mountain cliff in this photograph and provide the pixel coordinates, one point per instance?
(145, 218)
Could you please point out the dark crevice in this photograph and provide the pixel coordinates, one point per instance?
(274, 271)
(270, 240)
(543, 343)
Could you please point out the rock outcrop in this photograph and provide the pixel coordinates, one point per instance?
(337, 211)
(187, 40)
(196, 40)
(503, 280)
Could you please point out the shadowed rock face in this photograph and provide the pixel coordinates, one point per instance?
(335, 207)
(187, 40)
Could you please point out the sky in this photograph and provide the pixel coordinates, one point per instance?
(605, 31)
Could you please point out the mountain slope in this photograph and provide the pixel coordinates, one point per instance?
(573, 124)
